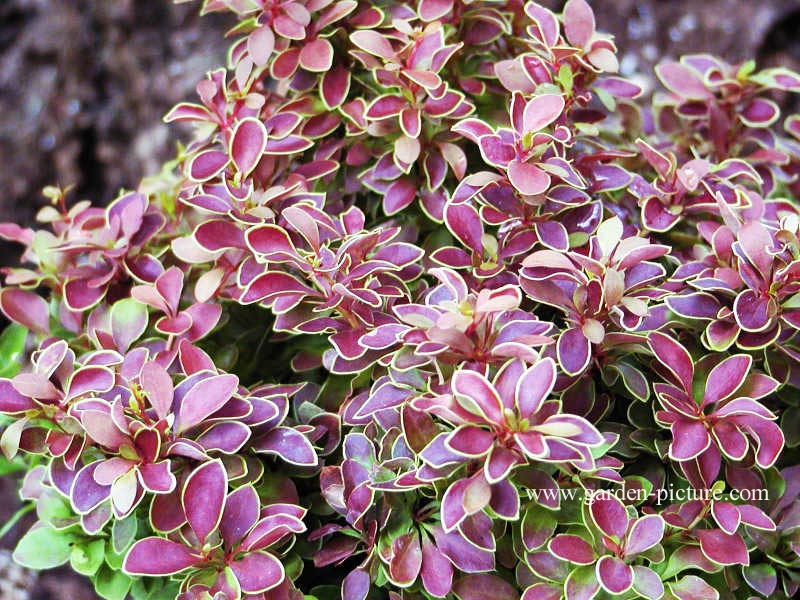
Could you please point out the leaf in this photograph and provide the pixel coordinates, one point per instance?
(573, 549)
(291, 445)
(112, 585)
(128, 322)
(12, 345)
(609, 514)
(25, 308)
(87, 559)
(484, 585)
(157, 556)
(614, 575)
(257, 572)
(578, 22)
(205, 398)
(723, 548)
(407, 559)
(673, 356)
(203, 498)
(247, 144)
(44, 548)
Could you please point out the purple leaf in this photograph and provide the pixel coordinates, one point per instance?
(614, 575)
(581, 584)
(156, 556)
(11, 401)
(257, 572)
(85, 493)
(25, 308)
(572, 548)
(727, 516)
(260, 44)
(291, 445)
(529, 179)
(157, 384)
(542, 110)
(372, 42)
(157, 477)
(534, 387)
(474, 392)
(203, 399)
(689, 439)
(578, 22)
(673, 356)
(470, 440)
(752, 311)
(609, 514)
(436, 571)
(406, 559)
(247, 144)
(356, 585)
(682, 80)
(240, 514)
(386, 106)
(723, 548)
(206, 165)
(573, 350)
(317, 56)
(482, 586)
(335, 86)
(203, 498)
(647, 583)
(645, 533)
(399, 195)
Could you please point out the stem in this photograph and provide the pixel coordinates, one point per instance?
(15, 518)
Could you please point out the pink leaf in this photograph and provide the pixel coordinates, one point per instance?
(260, 44)
(528, 178)
(257, 572)
(247, 144)
(726, 378)
(203, 498)
(578, 22)
(203, 399)
(723, 548)
(609, 515)
(317, 56)
(673, 356)
(25, 308)
(156, 556)
(541, 111)
(614, 575)
(373, 42)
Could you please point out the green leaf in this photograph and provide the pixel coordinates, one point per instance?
(111, 585)
(746, 69)
(52, 508)
(565, 78)
(86, 559)
(128, 321)
(123, 533)
(326, 592)
(538, 526)
(12, 345)
(114, 559)
(44, 548)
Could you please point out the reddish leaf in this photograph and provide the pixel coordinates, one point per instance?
(203, 498)
(157, 556)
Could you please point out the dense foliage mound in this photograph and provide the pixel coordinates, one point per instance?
(433, 305)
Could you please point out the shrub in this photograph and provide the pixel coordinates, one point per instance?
(433, 305)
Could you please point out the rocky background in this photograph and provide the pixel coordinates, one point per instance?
(84, 84)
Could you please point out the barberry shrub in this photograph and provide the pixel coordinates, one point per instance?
(431, 290)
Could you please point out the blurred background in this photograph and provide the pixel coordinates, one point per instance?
(84, 84)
